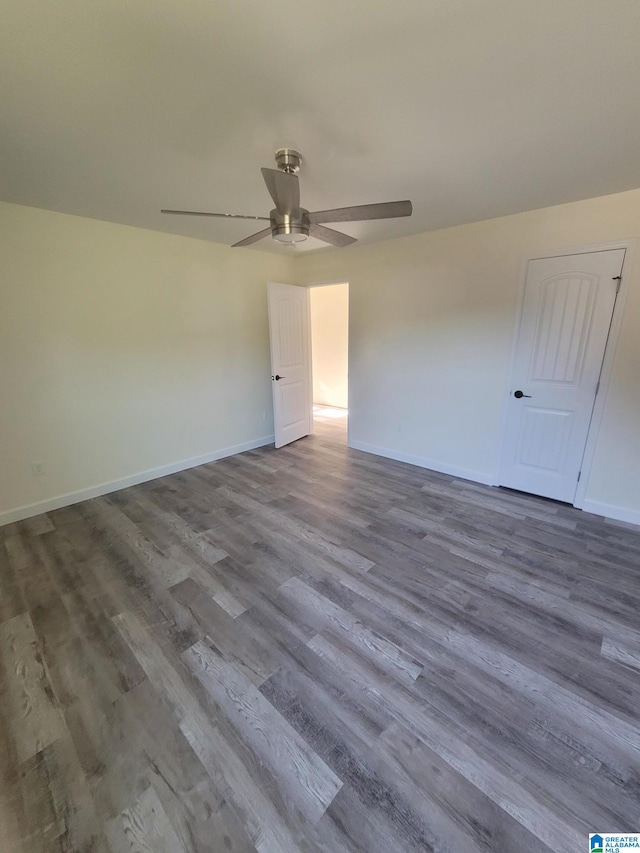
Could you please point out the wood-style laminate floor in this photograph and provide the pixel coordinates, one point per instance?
(318, 649)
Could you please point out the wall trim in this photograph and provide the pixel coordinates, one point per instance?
(421, 462)
(605, 377)
(612, 511)
(618, 513)
(28, 511)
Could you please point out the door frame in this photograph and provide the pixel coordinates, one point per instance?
(607, 361)
(314, 284)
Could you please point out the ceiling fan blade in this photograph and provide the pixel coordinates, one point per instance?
(252, 239)
(226, 215)
(284, 189)
(358, 213)
(328, 235)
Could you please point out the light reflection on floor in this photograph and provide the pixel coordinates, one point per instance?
(321, 412)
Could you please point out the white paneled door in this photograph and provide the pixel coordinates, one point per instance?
(290, 361)
(566, 315)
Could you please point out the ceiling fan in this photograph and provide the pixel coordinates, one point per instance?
(290, 223)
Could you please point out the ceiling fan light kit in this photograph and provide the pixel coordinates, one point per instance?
(290, 223)
(289, 231)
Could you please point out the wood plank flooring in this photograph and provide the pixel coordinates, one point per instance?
(315, 649)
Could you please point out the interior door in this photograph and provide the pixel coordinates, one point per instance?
(567, 311)
(290, 361)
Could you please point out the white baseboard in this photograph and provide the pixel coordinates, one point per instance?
(618, 513)
(431, 464)
(22, 512)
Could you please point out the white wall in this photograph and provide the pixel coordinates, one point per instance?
(124, 350)
(330, 344)
(431, 330)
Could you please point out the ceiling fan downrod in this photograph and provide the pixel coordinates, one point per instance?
(288, 160)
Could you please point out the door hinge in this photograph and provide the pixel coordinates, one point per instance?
(597, 388)
(618, 279)
(579, 475)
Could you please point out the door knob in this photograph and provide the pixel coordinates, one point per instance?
(517, 394)
(277, 376)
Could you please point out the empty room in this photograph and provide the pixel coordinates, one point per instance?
(319, 426)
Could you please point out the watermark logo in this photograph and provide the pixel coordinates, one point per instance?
(614, 842)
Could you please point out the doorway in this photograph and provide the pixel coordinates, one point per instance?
(564, 330)
(310, 392)
(329, 311)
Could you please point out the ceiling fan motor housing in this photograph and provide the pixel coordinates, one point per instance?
(289, 229)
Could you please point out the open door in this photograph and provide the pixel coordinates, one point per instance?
(290, 361)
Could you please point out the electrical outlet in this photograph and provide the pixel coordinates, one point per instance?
(37, 468)
(264, 416)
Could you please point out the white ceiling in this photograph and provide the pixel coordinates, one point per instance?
(113, 109)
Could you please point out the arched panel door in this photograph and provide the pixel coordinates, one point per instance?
(564, 327)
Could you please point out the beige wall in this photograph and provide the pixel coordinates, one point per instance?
(330, 342)
(124, 350)
(431, 331)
